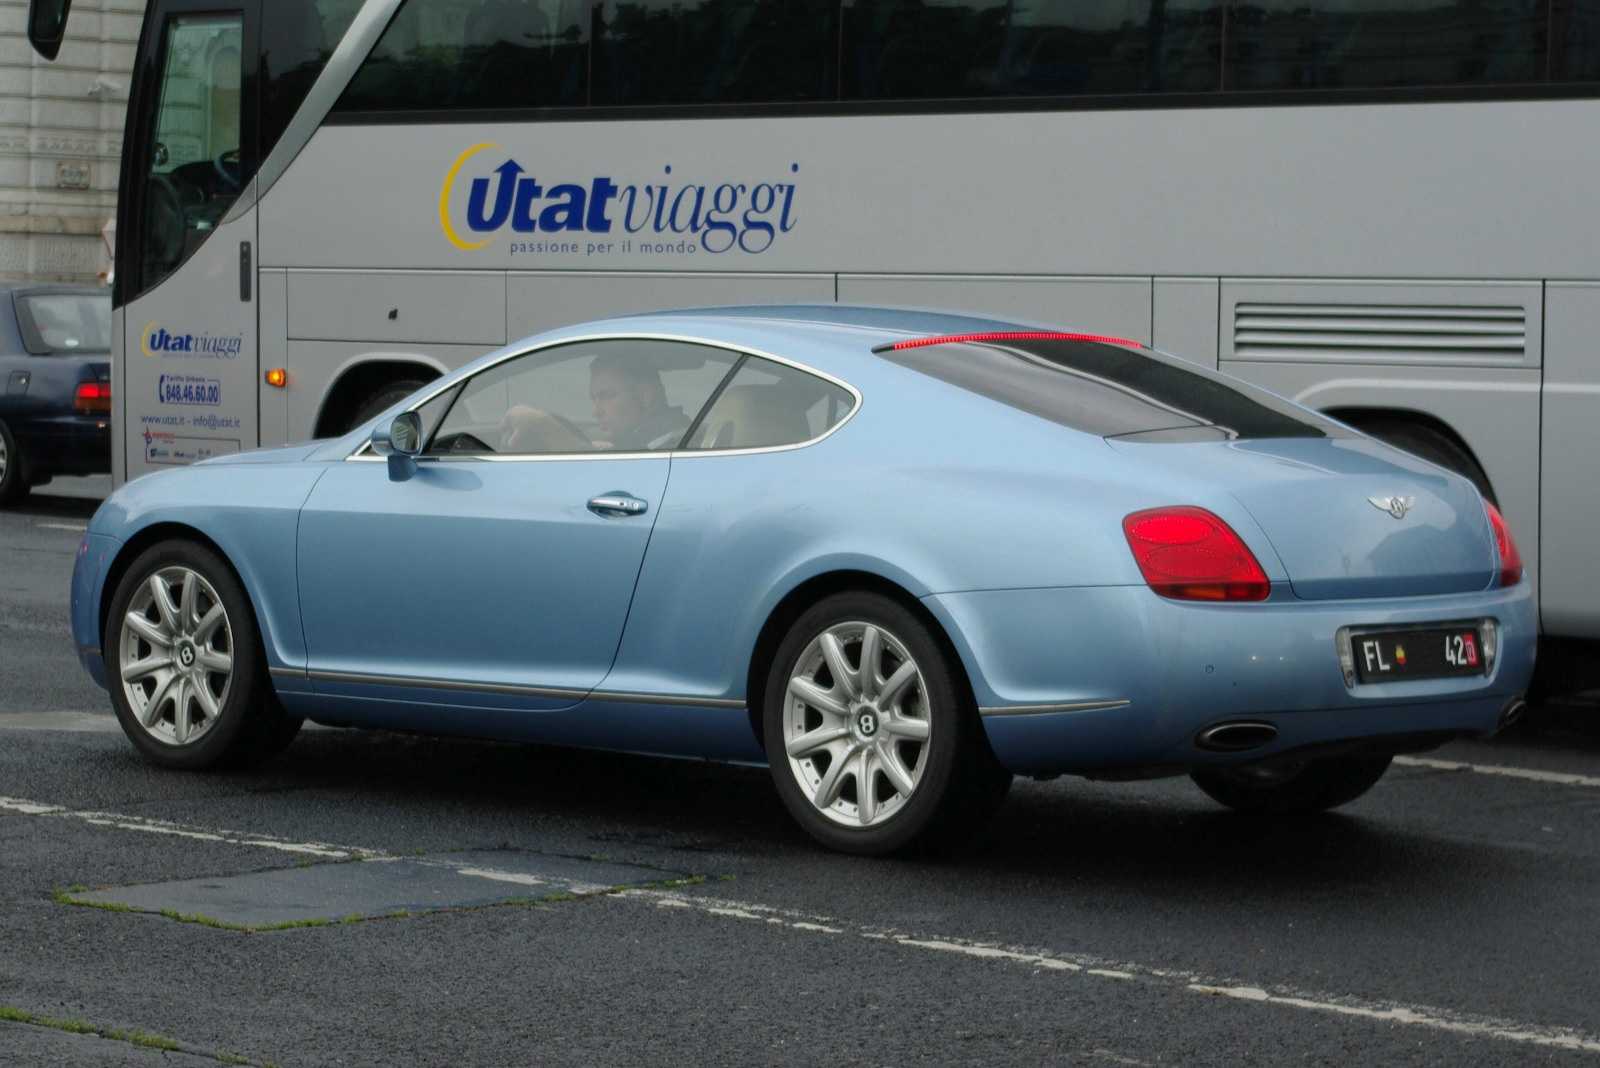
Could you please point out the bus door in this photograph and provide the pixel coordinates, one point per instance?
(186, 375)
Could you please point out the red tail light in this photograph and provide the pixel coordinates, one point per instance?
(1191, 555)
(92, 398)
(1510, 559)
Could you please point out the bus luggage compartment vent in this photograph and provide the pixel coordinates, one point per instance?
(1405, 333)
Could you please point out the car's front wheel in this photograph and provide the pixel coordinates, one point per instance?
(185, 663)
(1285, 789)
(871, 731)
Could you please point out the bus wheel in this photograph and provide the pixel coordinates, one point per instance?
(1433, 445)
(385, 396)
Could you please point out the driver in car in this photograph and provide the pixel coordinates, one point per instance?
(630, 411)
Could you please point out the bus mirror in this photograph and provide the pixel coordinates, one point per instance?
(47, 25)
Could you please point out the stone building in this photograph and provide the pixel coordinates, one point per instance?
(61, 140)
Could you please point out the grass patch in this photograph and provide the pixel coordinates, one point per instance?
(75, 1026)
(139, 1038)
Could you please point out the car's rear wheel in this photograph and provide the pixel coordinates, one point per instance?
(1284, 789)
(14, 484)
(184, 658)
(872, 733)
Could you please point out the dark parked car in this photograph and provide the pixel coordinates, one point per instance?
(55, 384)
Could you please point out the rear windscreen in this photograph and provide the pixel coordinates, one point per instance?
(64, 323)
(1112, 390)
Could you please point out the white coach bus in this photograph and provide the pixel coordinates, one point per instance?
(1386, 209)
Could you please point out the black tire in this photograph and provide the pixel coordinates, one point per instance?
(14, 481)
(1289, 789)
(911, 732)
(385, 396)
(183, 656)
(1435, 446)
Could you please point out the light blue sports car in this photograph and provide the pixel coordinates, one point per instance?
(897, 556)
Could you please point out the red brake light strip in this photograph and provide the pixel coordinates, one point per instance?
(1031, 335)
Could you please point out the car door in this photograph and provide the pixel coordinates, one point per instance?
(500, 570)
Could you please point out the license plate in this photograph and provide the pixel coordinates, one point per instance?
(1432, 653)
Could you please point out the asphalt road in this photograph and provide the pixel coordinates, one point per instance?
(373, 899)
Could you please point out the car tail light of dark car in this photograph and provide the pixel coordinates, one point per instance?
(1510, 558)
(1189, 554)
(93, 398)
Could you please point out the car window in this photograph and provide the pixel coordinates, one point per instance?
(1111, 389)
(768, 403)
(59, 323)
(623, 395)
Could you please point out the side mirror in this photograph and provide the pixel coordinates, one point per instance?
(401, 443)
(47, 25)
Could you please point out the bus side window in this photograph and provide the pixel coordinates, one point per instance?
(502, 51)
(774, 50)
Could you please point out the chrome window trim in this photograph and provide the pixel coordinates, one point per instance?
(363, 451)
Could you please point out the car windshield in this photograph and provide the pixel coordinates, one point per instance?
(59, 323)
(1110, 389)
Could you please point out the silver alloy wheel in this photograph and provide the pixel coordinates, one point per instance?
(856, 724)
(5, 458)
(176, 656)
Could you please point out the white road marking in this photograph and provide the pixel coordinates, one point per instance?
(149, 826)
(76, 528)
(524, 879)
(505, 876)
(59, 721)
(1410, 1015)
(991, 953)
(1556, 778)
(1404, 1015)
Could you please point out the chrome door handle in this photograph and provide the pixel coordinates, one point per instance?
(617, 505)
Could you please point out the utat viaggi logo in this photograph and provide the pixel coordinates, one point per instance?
(157, 340)
(486, 192)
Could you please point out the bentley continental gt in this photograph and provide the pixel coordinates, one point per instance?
(898, 557)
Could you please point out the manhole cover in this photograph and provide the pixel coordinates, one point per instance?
(368, 888)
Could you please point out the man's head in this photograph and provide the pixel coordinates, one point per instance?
(624, 392)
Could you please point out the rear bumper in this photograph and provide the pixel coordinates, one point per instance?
(1096, 680)
(67, 444)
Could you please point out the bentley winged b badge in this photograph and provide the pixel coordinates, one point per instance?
(1395, 506)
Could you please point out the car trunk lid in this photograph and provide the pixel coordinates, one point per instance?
(1347, 517)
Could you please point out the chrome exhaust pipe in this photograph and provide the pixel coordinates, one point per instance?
(1236, 737)
(1514, 709)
